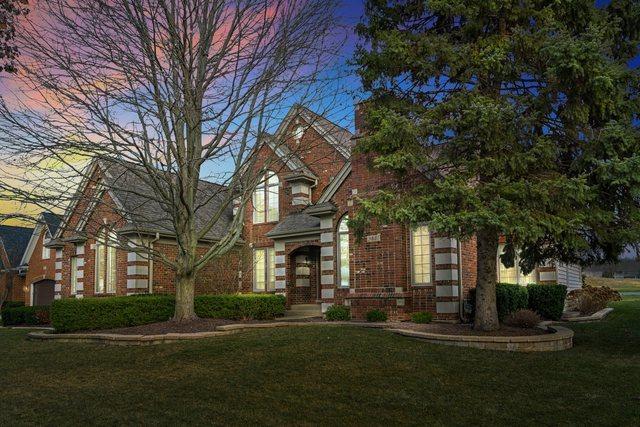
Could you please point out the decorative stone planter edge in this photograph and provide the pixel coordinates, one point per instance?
(560, 339)
(598, 315)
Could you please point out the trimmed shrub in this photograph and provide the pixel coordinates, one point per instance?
(22, 315)
(118, 312)
(12, 304)
(547, 300)
(509, 298)
(240, 307)
(376, 316)
(523, 319)
(337, 313)
(422, 317)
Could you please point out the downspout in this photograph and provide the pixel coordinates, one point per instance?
(150, 262)
(460, 290)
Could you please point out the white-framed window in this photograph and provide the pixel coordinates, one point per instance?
(264, 269)
(74, 274)
(266, 199)
(421, 255)
(106, 270)
(46, 252)
(343, 251)
(513, 274)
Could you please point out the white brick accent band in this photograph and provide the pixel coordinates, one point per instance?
(135, 256)
(446, 274)
(324, 306)
(326, 237)
(281, 284)
(137, 283)
(281, 272)
(444, 242)
(300, 189)
(326, 251)
(326, 279)
(280, 259)
(58, 275)
(326, 265)
(447, 307)
(58, 265)
(80, 274)
(57, 296)
(303, 271)
(137, 270)
(296, 201)
(279, 246)
(79, 286)
(450, 258)
(327, 293)
(326, 222)
(58, 253)
(80, 262)
(447, 291)
(58, 287)
(80, 250)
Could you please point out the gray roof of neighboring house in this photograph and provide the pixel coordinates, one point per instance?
(296, 223)
(145, 212)
(52, 221)
(15, 240)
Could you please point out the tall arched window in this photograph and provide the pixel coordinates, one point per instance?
(106, 270)
(343, 251)
(421, 255)
(265, 199)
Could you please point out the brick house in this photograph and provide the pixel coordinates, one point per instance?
(295, 238)
(13, 242)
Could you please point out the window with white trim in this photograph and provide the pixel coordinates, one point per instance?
(106, 262)
(46, 252)
(343, 251)
(513, 275)
(264, 269)
(421, 255)
(74, 274)
(266, 199)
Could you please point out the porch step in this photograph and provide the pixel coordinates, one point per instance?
(302, 311)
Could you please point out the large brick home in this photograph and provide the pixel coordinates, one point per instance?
(296, 241)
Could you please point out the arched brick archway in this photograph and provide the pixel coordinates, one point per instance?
(303, 267)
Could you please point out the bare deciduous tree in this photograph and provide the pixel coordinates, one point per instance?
(165, 90)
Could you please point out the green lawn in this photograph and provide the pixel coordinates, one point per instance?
(322, 375)
(621, 285)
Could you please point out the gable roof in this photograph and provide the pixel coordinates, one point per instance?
(52, 221)
(47, 220)
(144, 213)
(15, 240)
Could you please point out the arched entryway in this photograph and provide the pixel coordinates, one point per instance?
(43, 292)
(304, 275)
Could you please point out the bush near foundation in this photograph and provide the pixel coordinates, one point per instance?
(509, 298)
(21, 315)
(376, 316)
(523, 319)
(421, 317)
(118, 312)
(337, 313)
(547, 300)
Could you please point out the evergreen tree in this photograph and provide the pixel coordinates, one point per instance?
(513, 118)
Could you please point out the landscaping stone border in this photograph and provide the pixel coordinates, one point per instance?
(598, 315)
(560, 339)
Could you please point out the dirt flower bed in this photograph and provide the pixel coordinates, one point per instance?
(161, 328)
(459, 329)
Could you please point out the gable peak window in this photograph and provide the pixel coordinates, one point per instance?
(106, 267)
(46, 252)
(266, 199)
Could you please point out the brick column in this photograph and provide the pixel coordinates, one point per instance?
(80, 276)
(446, 277)
(327, 263)
(138, 273)
(281, 268)
(58, 274)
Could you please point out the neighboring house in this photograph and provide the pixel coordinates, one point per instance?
(13, 242)
(38, 263)
(296, 241)
(624, 269)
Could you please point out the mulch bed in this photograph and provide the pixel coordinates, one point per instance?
(161, 328)
(462, 329)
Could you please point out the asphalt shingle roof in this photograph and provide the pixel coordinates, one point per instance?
(15, 240)
(295, 223)
(52, 221)
(146, 213)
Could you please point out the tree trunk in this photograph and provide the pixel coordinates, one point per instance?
(185, 290)
(486, 318)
